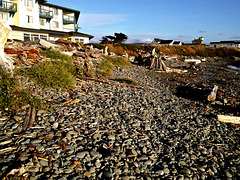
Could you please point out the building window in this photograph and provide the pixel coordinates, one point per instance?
(29, 19)
(55, 24)
(28, 3)
(55, 11)
(43, 37)
(3, 16)
(79, 40)
(26, 37)
(34, 37)
(42, 22)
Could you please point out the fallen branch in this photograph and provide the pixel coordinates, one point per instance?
(213, 94)
(2, 151)
(26, 120)
(29, 119)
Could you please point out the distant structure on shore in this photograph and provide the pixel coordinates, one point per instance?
(228, 44)
(199, 41)
(166, 42)
(196, 42)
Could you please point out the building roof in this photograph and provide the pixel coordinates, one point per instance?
(157, 40)
(166, 41)
(72, 33)
(226, 42)
(176, 42)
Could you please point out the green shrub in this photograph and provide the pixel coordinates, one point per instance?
(119, 61)
(126, 81)
(53, 74)
(106, 67)
(54, 54)
(12, 96)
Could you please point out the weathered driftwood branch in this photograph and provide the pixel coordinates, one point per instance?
(213, 94)
(229, 119)
(2, 151)
(29, 119)
(86, 69)
(157, 63)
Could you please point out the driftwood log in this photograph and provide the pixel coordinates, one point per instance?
(157, 63)
(29, 119)
(86, 69)
(5, 60)
(229, 119)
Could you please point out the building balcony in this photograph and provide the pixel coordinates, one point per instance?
(68, 19)
(47, 14)
(8, 6)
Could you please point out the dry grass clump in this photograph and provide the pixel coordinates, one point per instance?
(203, 51)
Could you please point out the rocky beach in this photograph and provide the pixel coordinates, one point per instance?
(108, 130)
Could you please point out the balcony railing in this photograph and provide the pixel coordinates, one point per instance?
(8, 6)
(68, 19)
(43, 13)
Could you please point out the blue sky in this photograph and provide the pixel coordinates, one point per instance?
(144, 20)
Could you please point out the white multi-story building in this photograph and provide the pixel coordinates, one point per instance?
(37, 19)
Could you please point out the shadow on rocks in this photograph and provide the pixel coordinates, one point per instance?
(195, 93)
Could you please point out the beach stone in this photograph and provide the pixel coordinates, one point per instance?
(81, 155)
(166, 170)
(228, 174)
(55, 125)
(94, 153)
(44, 163)
(143, 158)
(98, 164)
(111, 137)
(97, 137)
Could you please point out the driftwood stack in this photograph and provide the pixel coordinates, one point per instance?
(157, 63)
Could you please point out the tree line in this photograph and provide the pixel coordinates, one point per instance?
(116, 39)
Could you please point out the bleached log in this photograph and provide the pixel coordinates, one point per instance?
(153, 52)
(196, 61)
(47, 44)
(106, 51)
(5, 60)
(229, 119)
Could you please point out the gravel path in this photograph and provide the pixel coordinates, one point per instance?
(114, 132)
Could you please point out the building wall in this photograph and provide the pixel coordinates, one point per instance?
(27, 16)
(5, 16)
(225, 45)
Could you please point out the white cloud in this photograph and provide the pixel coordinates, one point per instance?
(94, 20)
